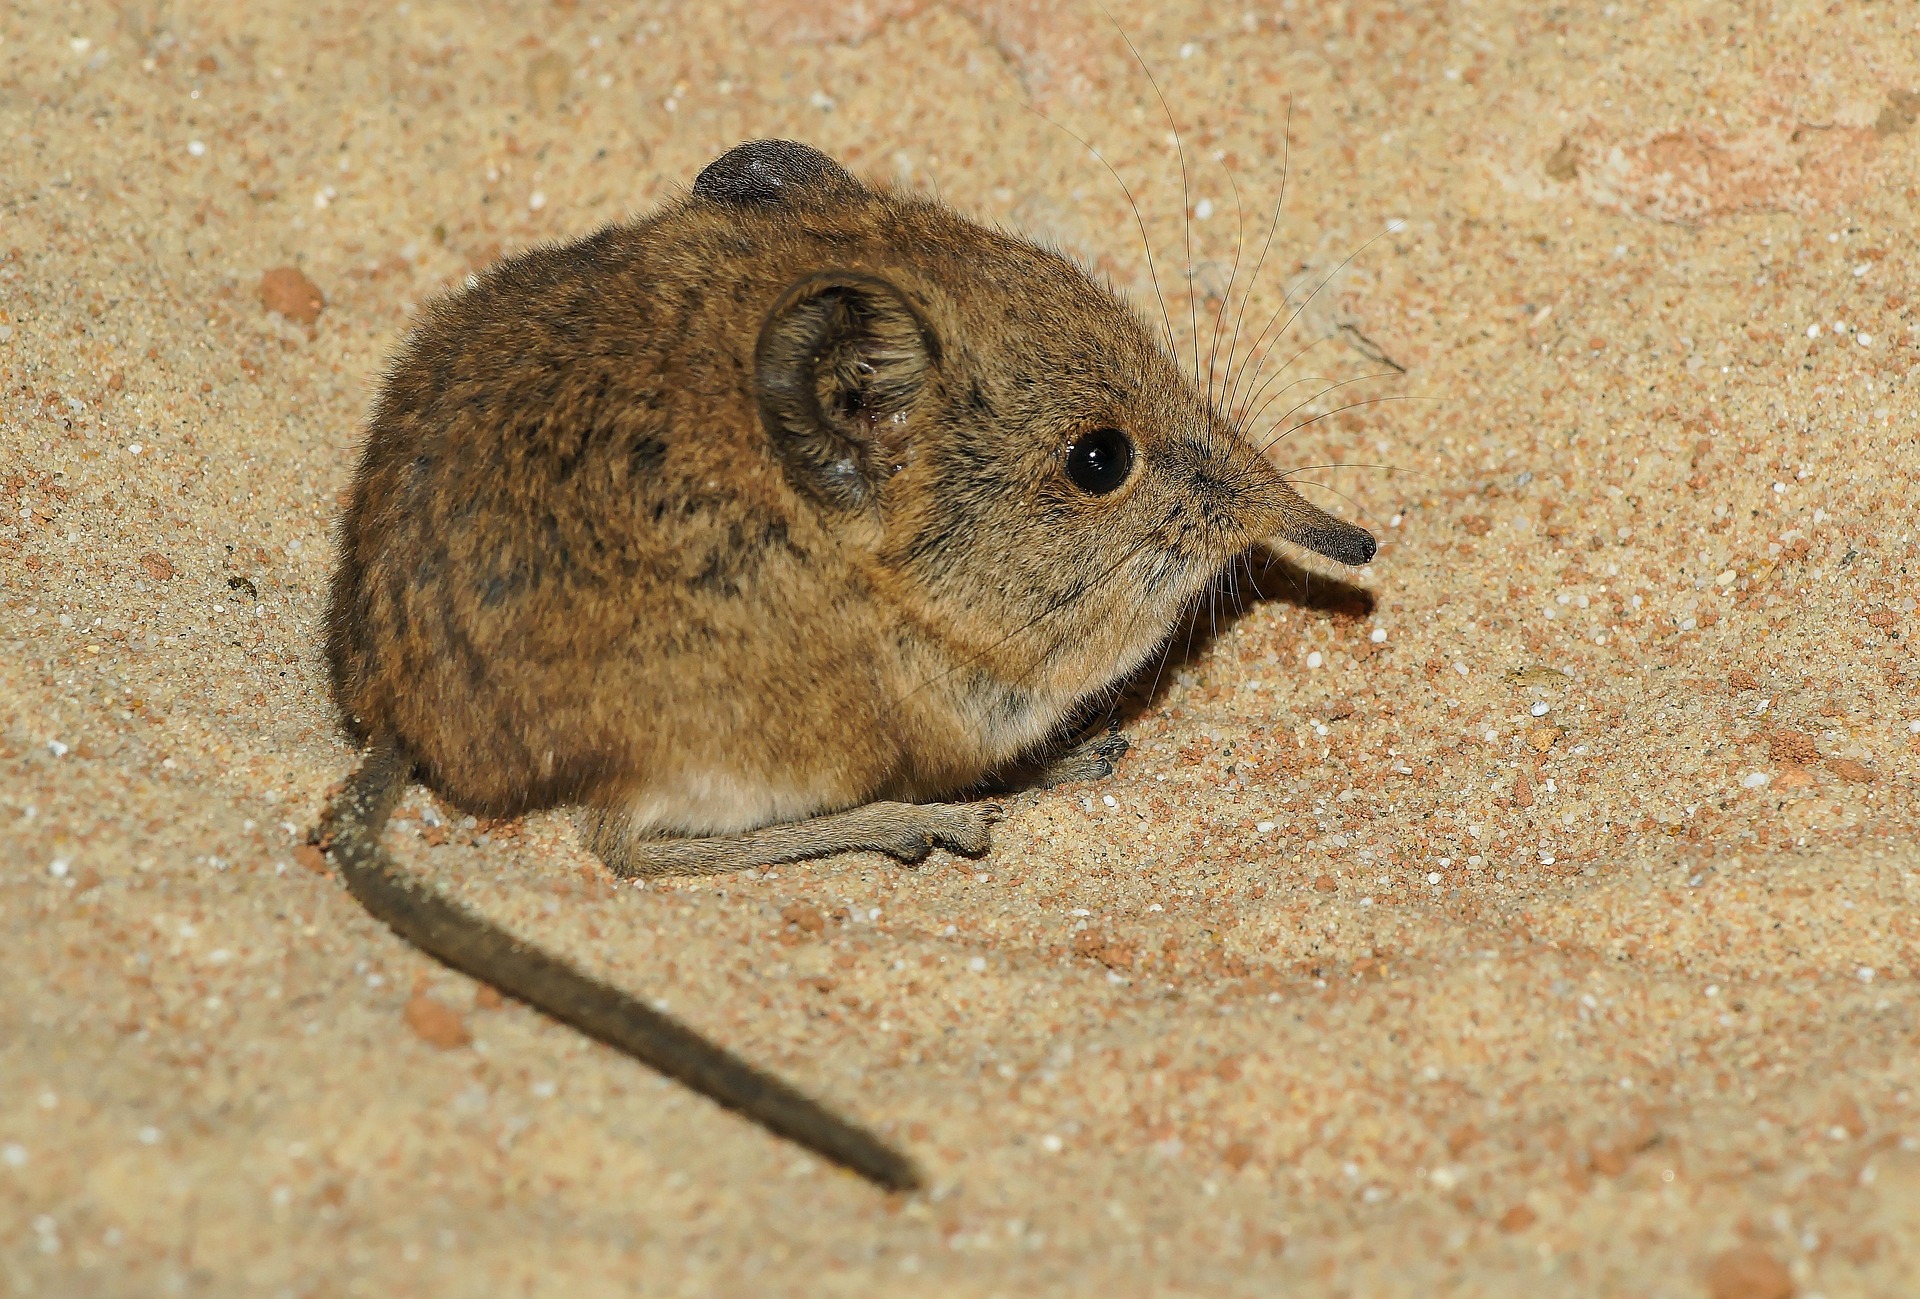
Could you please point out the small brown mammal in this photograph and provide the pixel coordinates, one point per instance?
(756, 528)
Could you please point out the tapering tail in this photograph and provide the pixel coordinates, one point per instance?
(470, 944)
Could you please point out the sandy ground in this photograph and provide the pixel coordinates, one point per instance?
(1531, 915)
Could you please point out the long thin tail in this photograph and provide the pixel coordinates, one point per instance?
(470, 944)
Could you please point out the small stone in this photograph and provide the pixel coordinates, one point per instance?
(1748, 1272)
(487, 997)
(1902, 110)
(436, 1023)
(1852, 772)
(1518, 1218)
(285, 290)
(158, 566)
(1563, 164)
(1791, 747)
(1741, 679)
(547, 77)
(1542, 738)
(310, 856)
(803, 916)
(1324, 883)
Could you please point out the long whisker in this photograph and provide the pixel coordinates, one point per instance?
(1390, 469)
(1371, 401)
(1302, 306)
(1166, 652)
(1239, 415)
(1307, 401)
(1186, 189)
(1246, 294)
(1068, 633)
(1153, 272)
(1360, 509)
(1220, 317)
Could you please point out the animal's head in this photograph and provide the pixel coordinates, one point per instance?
(1048, 487)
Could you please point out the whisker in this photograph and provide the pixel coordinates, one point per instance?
(1186, 189)
(1330, 277)
(1220, 317)
(1069, 633)
(1153, 271)
(1055, 606)
(1308, 401)
(1246, 294)
(1358, 508)
(1254, 397)
(1391, 469)
(1337, 410)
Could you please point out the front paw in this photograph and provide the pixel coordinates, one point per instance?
(966, 828)
(1094, 760)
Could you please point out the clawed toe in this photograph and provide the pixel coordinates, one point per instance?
(967, 830)
(1093, 760)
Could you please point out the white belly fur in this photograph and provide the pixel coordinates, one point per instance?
(712, 802)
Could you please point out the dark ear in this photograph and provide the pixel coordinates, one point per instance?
(841, 360)
(765, 173)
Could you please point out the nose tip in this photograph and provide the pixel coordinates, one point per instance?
(1341, 542)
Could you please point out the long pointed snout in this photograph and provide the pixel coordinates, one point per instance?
(1273, 510)
(1308, 526)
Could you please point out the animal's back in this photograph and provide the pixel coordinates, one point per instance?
(567, 545)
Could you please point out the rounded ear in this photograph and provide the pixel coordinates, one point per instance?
(766, 173)
(841, 360)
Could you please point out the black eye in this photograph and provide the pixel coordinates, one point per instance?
(1099, 461)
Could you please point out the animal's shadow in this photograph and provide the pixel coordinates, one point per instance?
(1253, 579)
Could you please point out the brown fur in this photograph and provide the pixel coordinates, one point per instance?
(747, 527)
(573, 567)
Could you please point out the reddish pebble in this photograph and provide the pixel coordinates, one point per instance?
(1522, 791)
(1748, 1272)
(1792, 746)
(436, 1023)
(1849, 770)
(804, 917)
(1518, 1218)
(285, 290)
